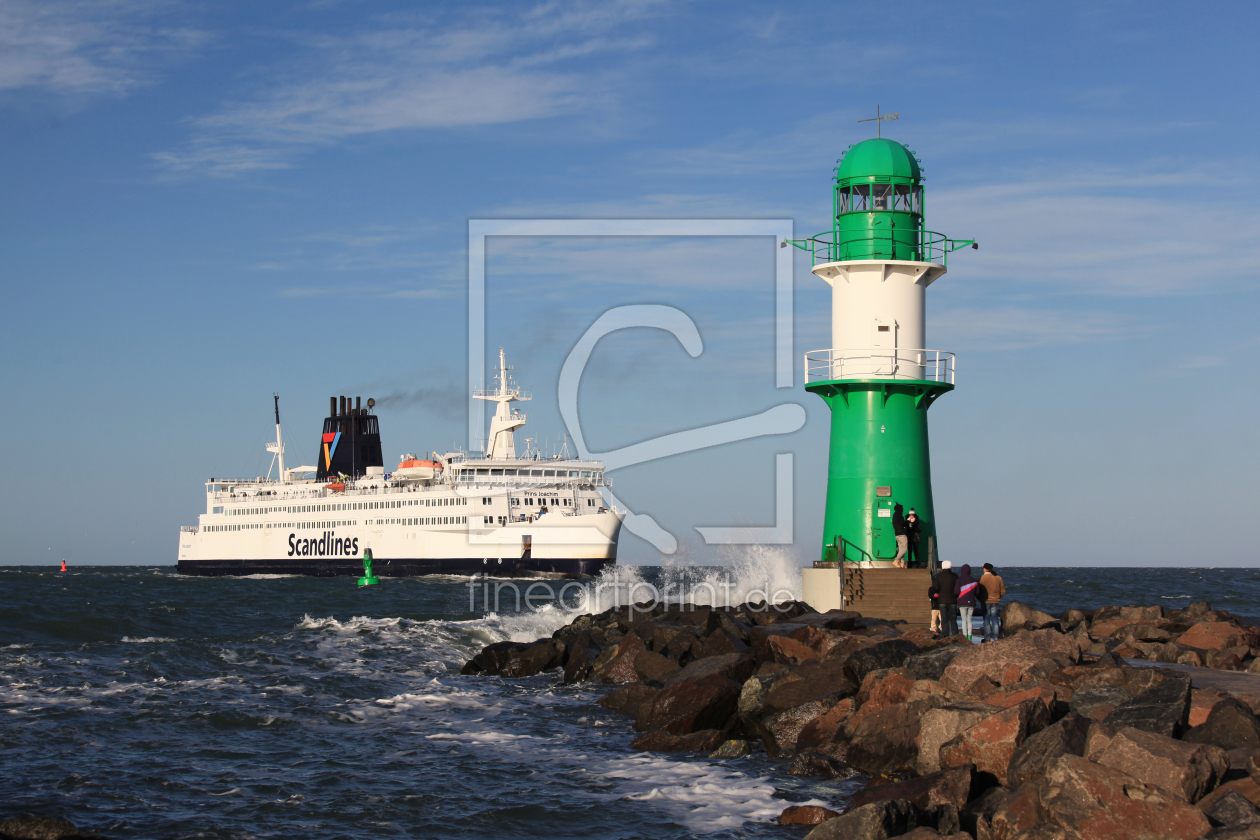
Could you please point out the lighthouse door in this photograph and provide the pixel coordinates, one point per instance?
(884, 348)
(883, 540)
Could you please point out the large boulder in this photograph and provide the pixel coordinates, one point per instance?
(1232, 811)
(490, 661)
(943, 724)
(654, 667)
(686, 706)
(1099, 701)
(887, 742)
(956, 786)
(806, 815)
(1187, 770)
(1031, 759)
(814, 763)
(722, 641)
(1163, 709)
(886, 819)
(705, 740)
(932, 664)
(616, 665)
(1096, 802)
(779, 732)
(1016, 616)
(1218, 635)
(891, 653)
(1032, 655)
(991, 743)
(881, 689)
(628, 698)
(827, 733)
(579, 658)
(1229, 725)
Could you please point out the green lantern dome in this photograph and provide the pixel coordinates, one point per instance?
(878, 159)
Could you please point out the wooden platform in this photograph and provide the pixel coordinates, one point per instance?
(889, 593)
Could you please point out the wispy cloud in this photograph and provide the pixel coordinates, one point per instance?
(485, 69)
(83, 47)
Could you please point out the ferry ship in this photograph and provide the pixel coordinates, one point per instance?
(499, 514)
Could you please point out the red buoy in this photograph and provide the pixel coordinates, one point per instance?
(63, 565)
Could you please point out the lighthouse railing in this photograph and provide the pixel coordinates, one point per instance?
(879, 363)
(841, 246)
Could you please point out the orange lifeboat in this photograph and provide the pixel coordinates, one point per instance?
(414, 463)
(337, 486)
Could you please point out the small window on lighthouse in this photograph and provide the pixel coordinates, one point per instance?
(883, 328)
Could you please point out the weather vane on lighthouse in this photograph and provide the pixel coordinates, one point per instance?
(879, 120)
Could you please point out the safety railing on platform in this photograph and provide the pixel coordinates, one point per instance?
(879, 363)
(840, 246)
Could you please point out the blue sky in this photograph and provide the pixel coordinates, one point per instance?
(206, 203)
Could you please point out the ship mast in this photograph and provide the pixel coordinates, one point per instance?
(278, 446)
(502, 442)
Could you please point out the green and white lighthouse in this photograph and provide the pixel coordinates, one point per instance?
(878, 378)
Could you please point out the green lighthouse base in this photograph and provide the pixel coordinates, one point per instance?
(879, 458)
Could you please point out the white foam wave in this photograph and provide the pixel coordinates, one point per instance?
(147, 640)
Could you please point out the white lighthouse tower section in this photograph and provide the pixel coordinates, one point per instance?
(877, 321)
(502, 441)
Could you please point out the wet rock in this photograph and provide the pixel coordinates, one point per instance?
(1031, 759)
(877, 821)
(826, 733)
(806, 815)
(1011, 659)
(725, 620)
(532, 658)
(1198, 608)
(734, 666)
(887, 742)
(1218, 635)
(704, 740)
(1095, 802)
(943, 724)
(579, 658)
(1163, 709)
(627, 699)
(1144, 613)
(690, 706)
(491, 659)
(1015, 616)
(616, 665)
(733, 748)
(685, 646)
(991, 743)
(654, 667)
(814, 763)
(926, 833)
(1229, 725)
(1098, 702)
(956, 786)
(1186, 770)
(1232, 810)
(779, 732)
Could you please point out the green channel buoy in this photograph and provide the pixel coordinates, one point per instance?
(368, 578)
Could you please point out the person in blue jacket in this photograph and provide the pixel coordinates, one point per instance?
(965, 588)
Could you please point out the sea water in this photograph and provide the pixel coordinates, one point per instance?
(140, 703)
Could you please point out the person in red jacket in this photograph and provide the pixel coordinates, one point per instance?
(965, 588)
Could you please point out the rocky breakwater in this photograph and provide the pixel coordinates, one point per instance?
(1036, 736)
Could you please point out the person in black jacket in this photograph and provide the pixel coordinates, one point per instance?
(903, 536)
(934, 595)
(945, 580)
(913, 525)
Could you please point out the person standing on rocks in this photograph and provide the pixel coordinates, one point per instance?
(965, 590)
(903, 536)
(945, 580)
(993, 587)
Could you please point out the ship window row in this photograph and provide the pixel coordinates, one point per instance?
(395, 503)
(423, 520)
(216, 529)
